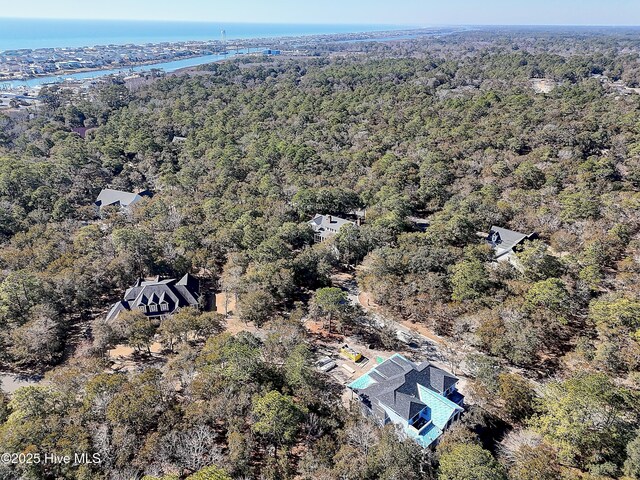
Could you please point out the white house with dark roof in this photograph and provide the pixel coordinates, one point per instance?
(119, 198)
(507, 242)
(157, 298)
(326, 226)
(421, 398)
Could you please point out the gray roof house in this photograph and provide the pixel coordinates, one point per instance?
(420, 398)
(506, 242)
(156, 298)
(326, 226)
(119, 198)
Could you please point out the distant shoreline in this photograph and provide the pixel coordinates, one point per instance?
(240, 46)
(20, 34)
(62, 73)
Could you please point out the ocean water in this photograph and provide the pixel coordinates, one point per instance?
(40, 33)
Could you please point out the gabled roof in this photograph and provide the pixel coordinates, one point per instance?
(396, 383)
(175, 293)
(117, 197)
(504, 240)
(439, 380)
(321, 223)
(116, 309)
(186, 287)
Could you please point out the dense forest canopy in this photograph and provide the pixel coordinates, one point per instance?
(240, 155)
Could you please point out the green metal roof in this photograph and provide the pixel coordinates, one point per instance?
(440, 408)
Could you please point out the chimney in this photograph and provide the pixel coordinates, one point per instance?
(330, 218)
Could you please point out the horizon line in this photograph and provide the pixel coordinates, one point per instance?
(432, 25)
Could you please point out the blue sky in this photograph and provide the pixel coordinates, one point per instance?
(400, 12)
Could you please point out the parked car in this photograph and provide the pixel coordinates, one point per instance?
(325, 364)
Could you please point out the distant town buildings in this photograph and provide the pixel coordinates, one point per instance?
(158, 298)
(21, 64)
(420, 398)
(25, 63)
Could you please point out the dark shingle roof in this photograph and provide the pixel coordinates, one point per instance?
(505, 239)
(397, 381)
(439, 380)
(406, 406)
(176, 294)
(328, 225)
